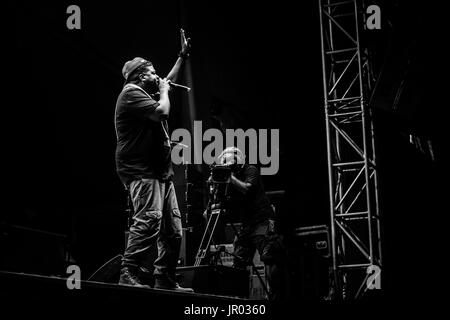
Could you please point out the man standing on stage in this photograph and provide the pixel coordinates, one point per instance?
(144, 166)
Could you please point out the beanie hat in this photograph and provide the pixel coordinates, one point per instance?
(132, 65)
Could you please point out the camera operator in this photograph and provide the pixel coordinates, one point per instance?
(248, 203)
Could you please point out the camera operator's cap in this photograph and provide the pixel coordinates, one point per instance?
(132, 65)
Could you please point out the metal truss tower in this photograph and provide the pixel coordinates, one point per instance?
(354, 203)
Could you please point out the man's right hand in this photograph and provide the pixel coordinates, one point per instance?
(163, 110)
(163, 85)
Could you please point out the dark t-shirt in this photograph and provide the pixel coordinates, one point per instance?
(143, 145)
(254, 206)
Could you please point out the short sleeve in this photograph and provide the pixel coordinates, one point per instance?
(139, 104)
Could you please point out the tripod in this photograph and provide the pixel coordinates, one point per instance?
(207, 237)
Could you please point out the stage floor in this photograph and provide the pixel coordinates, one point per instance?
(23, 292)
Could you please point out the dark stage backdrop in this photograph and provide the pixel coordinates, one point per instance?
(257, 63)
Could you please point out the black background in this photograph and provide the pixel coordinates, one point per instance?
(263, 62)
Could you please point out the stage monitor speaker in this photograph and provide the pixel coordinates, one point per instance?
(219, 280)
(310, 263)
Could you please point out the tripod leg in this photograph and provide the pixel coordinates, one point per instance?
(206, 240)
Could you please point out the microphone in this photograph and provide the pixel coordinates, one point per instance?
(176, 85)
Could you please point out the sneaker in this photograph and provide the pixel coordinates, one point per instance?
(129, 278)
(145, 276)
(167, 283)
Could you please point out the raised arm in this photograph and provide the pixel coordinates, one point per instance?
(183, 55)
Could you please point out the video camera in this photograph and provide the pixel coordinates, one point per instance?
(221, 173)
(219, 182)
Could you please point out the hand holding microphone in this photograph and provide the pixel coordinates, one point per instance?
(163, 85)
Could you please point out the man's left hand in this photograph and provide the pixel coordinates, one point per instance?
(185, 44)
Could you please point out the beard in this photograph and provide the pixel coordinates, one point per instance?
(151, 87)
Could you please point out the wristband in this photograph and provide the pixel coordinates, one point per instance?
(183, 55)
